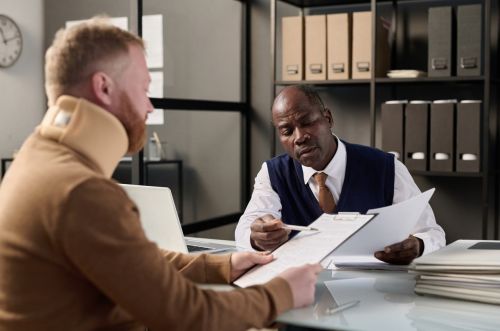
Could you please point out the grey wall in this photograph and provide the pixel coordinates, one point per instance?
(21, 86)
(57, 12)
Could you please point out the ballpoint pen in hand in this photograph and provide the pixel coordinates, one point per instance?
(298, 228)
(344, 306)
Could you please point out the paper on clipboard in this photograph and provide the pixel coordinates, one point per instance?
(307, 246)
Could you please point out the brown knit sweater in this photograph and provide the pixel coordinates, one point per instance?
(73, 255)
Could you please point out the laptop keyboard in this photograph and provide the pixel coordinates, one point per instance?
(192, 248)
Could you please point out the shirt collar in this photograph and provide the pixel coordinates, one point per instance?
(335, 169)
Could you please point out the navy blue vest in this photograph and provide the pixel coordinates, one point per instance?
(368, 183)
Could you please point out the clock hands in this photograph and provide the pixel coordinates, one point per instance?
(5, 41)
(3, 36)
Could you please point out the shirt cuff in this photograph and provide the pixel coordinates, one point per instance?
(427, 242)
(247, 243)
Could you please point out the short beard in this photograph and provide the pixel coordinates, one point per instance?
(135, 126)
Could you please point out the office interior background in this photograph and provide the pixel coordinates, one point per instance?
(221, 73)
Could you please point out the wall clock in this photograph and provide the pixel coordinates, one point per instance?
(11, 41)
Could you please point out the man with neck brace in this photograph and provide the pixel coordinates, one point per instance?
(73, 254)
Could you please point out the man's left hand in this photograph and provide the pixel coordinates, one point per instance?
(242, 261)
(403, 252)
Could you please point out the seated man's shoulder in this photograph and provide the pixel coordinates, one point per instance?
(367, 152)
(282, 159)
(98, 195)
(97, 186)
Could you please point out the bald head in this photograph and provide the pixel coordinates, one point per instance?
(307, 90)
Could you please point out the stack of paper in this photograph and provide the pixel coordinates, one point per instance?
(465, 269)
(405, 74)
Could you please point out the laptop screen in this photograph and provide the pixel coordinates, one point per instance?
(158, 216)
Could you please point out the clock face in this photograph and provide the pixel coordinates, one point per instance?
(11, 42)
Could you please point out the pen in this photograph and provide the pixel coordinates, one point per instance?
(331, 311)
(298, 228)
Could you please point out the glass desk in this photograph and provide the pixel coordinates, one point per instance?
(386, 302)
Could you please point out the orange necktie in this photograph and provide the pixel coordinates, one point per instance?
(325, 197)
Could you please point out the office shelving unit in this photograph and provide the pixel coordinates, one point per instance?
(455, 87)
(243, 108)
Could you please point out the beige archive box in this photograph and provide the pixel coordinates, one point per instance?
(361, 45)
(292, 48)
(315, 67)
(338, 46)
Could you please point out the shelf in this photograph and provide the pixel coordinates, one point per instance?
(323, 82)
(323, 3)
(461, 79)
(198, 105)
(446, 174)
(384, 80)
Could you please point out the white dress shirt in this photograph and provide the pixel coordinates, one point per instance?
(266, 201)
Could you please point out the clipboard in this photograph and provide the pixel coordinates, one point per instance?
(333, 230)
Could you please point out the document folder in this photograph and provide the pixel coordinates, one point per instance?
(468, 136)
(361, 45)
(442, 135)
(362, 65)
(416, 135)
(440, 29)
(292, 48)
(315, 47)
(469, 41)
(393, 128)
(338, 46)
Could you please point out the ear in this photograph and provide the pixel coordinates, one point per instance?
(328, 115)
(102, 88)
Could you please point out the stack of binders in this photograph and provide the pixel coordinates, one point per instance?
(463, 34)
(466, 269)
(333, 47)
(439, 135)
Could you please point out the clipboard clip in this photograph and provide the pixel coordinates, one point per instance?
(346, 216)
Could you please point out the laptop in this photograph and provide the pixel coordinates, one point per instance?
(161, 223)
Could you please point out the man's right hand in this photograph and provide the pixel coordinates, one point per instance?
(302, 282)
(267, 233)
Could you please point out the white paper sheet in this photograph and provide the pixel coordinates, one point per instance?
(393, 224)
(306, 247)
(152, 33)
(157, 117)
(363, 262)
